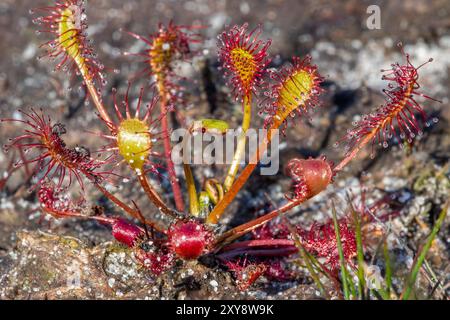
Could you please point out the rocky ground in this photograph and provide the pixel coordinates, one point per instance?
(38, 257)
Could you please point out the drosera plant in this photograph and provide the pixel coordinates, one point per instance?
(165, 47)
(132, 132)
(244, 58)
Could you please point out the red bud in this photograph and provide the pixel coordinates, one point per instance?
(125, 232)
(310, 176)
(189, 239)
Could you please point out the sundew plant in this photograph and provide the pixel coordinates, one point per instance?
(135, 147)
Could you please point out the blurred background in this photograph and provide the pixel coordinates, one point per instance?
(340, 37)
(335, 33)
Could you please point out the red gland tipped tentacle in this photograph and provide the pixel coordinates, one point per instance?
(244, 58)
(320, 240)
(169, 44)
(66, 20)
(157, 259)
(245, 272)
(294, 90)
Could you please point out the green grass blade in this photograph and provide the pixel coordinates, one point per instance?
(317, 264)
(360, 252)
(344, 272)
(311, 270)
(352, 285)
(381, 294)
(412, 277)
(308, 263)
(387, 261)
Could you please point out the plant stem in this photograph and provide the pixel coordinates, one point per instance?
(263, 247)
(132, 212)
(387, 260)
(359, 249)
(242, 229)
(240, 150)
(153, 196)
(259, 243)
(354, 152)
(241, 180)
(263, 252)
(179, 204)
(411, 280)
(342, 263)
(243, 177)
(97, 100)
(218, 210)
(194, 206)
